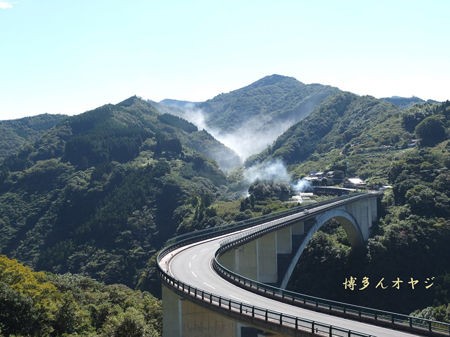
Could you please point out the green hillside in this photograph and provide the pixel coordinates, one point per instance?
(38, 304)
(268, 101)
(251, 118)
(101, 192)
(411, 238)
(15, 133)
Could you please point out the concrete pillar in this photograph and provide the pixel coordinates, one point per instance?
(267, 258)
(172, 313)
(298, 228)
(228, 259)
(374, 203)
(247, 260)
(201, 322)
(284, 240)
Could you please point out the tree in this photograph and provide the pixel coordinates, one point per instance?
(430, 131)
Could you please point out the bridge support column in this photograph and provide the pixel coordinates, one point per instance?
(298, 228)
(172, 314)
(267, 258)
(362, 211)
(201, 322)
(247, 260)
(228, 260)
(284, 240)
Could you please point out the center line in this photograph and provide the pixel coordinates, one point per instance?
(195, 275)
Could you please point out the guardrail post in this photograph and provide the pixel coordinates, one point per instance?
(296, 323)
(281, 319)
(429, 326)
(267, 315)
(312, 327)
(253, 312)
(331, 331)
(220, 302)
(410, 322)
(240, 308)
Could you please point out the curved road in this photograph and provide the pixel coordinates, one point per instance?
(192, 264)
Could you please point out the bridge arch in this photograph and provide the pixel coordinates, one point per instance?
(345, 219)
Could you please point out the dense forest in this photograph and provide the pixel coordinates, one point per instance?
(99, 193)
(413, 230)
(44, 304)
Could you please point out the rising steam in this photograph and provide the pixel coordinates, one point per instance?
(272, 171)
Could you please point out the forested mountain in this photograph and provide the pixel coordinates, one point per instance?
(250, 118)
(411, 238)
(102, 191)
(269, 101)
(406, 102)
(15, 133)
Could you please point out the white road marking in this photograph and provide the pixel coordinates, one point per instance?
(194, 257)
(208, 285)
(239, 299)
(195, 275)
(190, 265)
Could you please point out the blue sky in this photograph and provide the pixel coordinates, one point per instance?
(68, 56)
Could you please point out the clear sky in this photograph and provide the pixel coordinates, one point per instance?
(68, 56)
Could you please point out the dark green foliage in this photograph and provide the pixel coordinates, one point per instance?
(177, 122)
(35, 304)
(273, 99)
(15, 133)
(431, 131)
(101, 193)
(411, 241)
(261, 190)
(346, 122)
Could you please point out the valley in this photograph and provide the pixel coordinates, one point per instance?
(98, 194)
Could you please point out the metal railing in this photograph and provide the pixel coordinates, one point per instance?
(370, 315)
(265, 316)
(254, 314)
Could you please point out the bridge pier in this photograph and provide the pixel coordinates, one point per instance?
(183, 318)
(267, 258)
(284, 240)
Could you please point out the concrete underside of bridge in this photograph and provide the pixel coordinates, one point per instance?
(182, 318)
(268, 259)
(272, 258)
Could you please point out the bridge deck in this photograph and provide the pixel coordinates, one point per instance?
(192, 265)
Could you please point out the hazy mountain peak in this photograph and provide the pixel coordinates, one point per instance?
(275, 79)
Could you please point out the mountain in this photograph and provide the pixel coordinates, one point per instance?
(344, 125)
(406, 102)
(269, 101)
(174, 103)
(101, 192)
(15, 133)
(203, 141)
(407, 149)
(248, 119)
